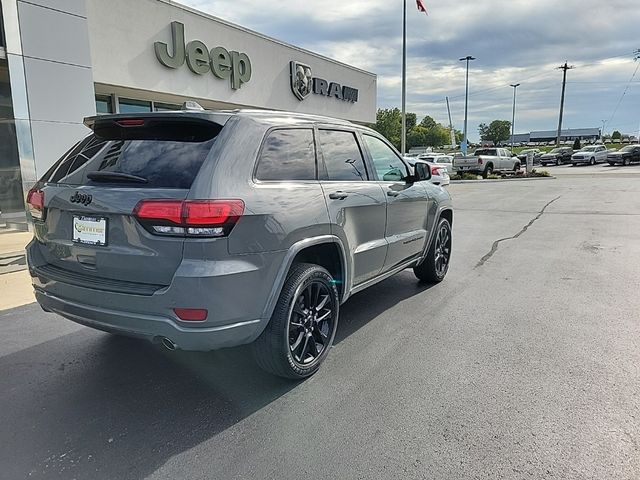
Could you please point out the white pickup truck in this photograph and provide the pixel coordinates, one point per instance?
(485, 161)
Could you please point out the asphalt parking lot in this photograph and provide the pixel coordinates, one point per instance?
(523, 363)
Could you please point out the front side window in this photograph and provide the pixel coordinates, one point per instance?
(288, 154)
(388, 167)
(342, 157)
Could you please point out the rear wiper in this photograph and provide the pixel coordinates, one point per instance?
(115, 177)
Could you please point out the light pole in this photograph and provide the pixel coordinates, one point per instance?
(513, 115)
(468, 58)
(604, 122)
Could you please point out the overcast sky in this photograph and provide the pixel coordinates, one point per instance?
(515, 41)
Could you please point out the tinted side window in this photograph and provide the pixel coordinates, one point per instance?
(288, 155)
(342, 156)
(389, 167)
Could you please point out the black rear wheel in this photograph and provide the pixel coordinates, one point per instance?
(487, 171)
(303, 325)
(435, 266)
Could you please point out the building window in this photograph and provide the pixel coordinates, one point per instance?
(11, 200)
(128, 105)
(104, 104)
(165, 107)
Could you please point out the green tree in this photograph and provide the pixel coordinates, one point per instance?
(417, 137)
(576, 144)
(496, 132)
(411, 119)
(428, 122)
(616, 135)
(437, 136)
(389, 124)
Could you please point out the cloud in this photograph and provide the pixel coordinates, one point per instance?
(513, 40)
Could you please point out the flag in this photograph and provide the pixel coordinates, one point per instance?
(421, 7)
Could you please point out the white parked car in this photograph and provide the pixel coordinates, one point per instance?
(439, 175)
(444, 161)
(592, 154)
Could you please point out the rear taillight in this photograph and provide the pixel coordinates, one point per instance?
(435, 170)
(193, 218)
(35, 202)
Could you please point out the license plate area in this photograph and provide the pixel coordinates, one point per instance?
(89, 230)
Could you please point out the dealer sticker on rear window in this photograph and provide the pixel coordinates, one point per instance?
(90, 230)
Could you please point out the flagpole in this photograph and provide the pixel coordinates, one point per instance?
(403, 141)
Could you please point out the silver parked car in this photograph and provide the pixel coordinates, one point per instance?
(592, 154)
(201, 230)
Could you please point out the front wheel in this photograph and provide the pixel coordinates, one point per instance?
(557, 162)
(516, 167)
(435, 266)
(303, 325)
(613, 164)
(625, 162)
(592, 161)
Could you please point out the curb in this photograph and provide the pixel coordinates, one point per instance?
(500, 180)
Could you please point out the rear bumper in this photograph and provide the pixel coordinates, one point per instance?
(150, 327)
(235, 292)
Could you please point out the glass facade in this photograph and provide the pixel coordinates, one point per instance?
(129, 105)
(11, 197)
(104, 104)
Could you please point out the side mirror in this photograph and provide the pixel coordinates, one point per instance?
(422, 171)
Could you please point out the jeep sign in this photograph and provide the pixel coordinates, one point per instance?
(303, 83)
(223, 63)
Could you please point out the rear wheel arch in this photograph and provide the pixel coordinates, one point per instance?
(328, 255)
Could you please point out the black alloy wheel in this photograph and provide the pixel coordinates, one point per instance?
(311, 323)
(303, 325)
(435, 266)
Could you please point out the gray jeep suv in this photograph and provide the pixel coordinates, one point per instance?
(208, 229)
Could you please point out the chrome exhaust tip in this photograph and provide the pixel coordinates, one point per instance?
(168, 343)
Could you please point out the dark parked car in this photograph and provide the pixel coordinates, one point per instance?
(624, 156)
(201, 230)
(537, 154)
(557, 156)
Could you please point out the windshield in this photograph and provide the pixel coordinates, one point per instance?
(628, 148)
(589, 149)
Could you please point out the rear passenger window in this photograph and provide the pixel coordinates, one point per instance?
(342, 156)
(288, 154)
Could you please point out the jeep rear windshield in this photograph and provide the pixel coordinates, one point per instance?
(164, 155)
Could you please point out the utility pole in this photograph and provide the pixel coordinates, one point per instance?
(403, 141)
(513, 115)
(564, 69)
(604, 122)
(468, 58)
(452, 133)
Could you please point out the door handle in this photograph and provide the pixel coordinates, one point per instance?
(392, 193)
(338, 195)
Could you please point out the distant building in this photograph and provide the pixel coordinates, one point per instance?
(566, 135)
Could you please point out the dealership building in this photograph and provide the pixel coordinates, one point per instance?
(566, 135)
(63, 60)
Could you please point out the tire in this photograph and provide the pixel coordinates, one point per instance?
(625, 162)
(543, 164)
(435, 266)
(516, 167)
(613, 164)
(285, 346)
(557, 162)
(592, 161)
(574, 164)
(487, 171)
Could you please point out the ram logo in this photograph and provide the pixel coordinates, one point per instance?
(301, 80)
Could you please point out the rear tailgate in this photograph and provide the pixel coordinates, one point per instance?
(88, 227)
